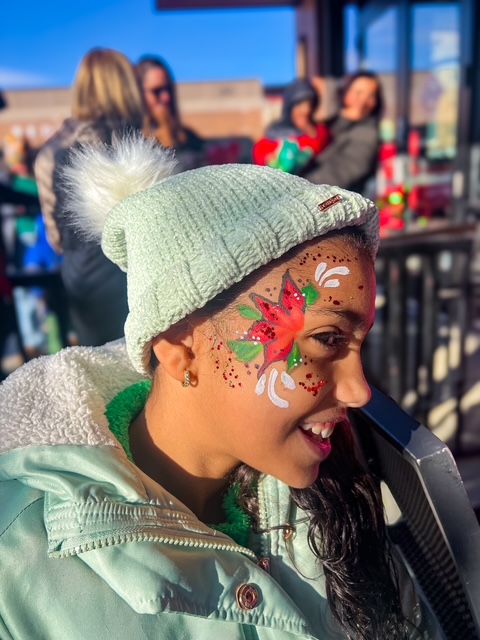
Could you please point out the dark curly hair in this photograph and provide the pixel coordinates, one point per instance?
(347, 534)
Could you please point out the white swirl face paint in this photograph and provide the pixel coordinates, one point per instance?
(261, 384)
(321, 275)
(319, 270)
(288, 382)
(276, 400)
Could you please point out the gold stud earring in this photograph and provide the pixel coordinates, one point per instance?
(186, 376)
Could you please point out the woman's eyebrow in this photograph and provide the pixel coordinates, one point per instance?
(356, 319)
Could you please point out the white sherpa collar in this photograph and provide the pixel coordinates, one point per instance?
(61, 399)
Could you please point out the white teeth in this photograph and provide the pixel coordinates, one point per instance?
(325, 429)
(327, 432)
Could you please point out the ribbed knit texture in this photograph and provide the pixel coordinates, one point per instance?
(195, 234)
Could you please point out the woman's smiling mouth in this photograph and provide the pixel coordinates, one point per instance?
(322, 429)
(317, 435)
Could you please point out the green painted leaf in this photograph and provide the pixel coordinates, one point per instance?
(311, 294)
(294, 357)
(245, 351)
(249, 312)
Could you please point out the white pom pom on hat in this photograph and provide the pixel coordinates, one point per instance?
(192, 235)
(99, 177)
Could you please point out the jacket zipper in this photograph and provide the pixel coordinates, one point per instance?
(139, 537)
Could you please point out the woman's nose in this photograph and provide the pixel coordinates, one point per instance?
(351, 388)
(164, 97)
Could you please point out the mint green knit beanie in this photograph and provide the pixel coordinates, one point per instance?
(194, 234)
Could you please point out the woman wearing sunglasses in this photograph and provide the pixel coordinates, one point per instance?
(163, 119)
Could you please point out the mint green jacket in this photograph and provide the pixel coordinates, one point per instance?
(92, 549)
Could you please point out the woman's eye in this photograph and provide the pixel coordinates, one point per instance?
(330, 340)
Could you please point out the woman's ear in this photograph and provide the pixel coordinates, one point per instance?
(173, 350)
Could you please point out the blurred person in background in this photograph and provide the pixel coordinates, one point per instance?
(163, 118)
(352, 157)
(106, 99)
(292, 142)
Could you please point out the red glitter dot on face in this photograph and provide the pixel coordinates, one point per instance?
(314, 388)
(361, 287)
(336, 302)
(308, 376)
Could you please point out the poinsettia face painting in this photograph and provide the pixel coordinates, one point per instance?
(278, 325)
(289, 358)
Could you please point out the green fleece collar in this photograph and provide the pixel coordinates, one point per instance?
(120, 413)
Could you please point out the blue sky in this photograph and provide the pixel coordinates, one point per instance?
(41, 43)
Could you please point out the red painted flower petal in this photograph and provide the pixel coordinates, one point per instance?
(281, 323)
(271, 312)
(274, 352)
(263, 331)
(292, 298)
(278, 350)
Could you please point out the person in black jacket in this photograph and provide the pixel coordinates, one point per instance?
(106, 99)
(351, 159)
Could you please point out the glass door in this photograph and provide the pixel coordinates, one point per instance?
(433, 109)
(379, 53)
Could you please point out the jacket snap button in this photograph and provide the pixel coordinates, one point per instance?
(247, 596)
(264, 563)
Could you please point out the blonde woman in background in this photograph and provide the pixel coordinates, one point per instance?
(106, 99)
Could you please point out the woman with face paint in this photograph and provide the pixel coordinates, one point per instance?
(198, 480)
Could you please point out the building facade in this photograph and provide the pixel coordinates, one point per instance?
(213, 109)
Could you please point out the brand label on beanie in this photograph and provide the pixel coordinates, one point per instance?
(323, 206)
